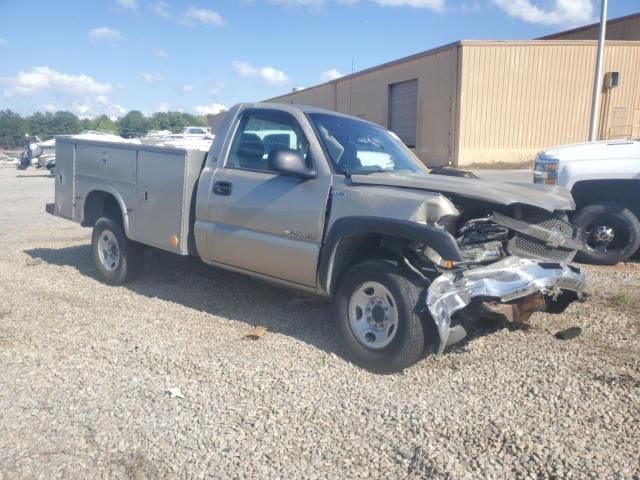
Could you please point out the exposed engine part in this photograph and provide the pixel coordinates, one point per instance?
(481, 230)
(482, 252)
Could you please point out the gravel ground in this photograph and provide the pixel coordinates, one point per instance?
(85, 369)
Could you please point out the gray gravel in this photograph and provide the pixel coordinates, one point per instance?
(85, 369)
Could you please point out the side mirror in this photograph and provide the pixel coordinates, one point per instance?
(289, 162)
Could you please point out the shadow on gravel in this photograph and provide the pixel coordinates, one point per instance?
(189, 282)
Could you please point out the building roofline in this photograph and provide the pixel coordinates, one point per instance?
(586, 27)
(448, 46)
(408, 58)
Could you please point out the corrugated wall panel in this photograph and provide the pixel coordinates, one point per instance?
(627, 28)
(367, 96)
(519, 97)
(322, 96)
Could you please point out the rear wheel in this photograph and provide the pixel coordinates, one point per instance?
(377, 317)
(118, 259)
(611, 233)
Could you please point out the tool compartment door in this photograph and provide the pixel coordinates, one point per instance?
(65, 185)
(160, 199)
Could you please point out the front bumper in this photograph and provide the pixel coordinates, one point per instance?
(509, 280)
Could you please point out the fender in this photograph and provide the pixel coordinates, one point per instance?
(440, 240)
(115, 194)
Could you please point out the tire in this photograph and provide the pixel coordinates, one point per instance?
(380, 352)
(598, 222)
(118, 259)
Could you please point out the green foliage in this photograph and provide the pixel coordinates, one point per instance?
(104, 124)
(13, 127)
(134, 124)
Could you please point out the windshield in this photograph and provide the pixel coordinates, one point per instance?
(360, 147)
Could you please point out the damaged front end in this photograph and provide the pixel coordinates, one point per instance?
(512, 288)
(512, 265)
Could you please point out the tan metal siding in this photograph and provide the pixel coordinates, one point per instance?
(367, 96)
(626, 28)
(322, 96)
(520, 97)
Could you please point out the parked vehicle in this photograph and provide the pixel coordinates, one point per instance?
(193, 132)
(406, 256)
(37, 154)
(604, 179)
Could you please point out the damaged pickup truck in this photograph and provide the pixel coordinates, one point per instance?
(335, 206)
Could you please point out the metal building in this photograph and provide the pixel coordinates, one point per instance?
(491, 101)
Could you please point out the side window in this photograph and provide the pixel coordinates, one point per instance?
(259, 134)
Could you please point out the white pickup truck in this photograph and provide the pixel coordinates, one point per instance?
(604, 179)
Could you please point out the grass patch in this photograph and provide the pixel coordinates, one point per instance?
(526, 165)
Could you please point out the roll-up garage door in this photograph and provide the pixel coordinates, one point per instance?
(403, 110)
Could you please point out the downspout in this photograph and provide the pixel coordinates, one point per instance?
(456, 114)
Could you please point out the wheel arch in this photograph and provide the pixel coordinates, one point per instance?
(620, 191)
(351, 240)
(105, 201)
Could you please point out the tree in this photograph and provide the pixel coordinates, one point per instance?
(105, 124)
(134, 124)
(65, 123)
(12, 129)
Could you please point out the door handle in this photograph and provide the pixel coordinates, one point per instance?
(222, 188)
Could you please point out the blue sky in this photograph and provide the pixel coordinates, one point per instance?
(111, 56)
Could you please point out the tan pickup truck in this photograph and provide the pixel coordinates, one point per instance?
(334, 206)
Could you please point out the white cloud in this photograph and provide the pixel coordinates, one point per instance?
(267, 74)
(437, 5)
(160, 8)
(244, 69)
(273, 76)
(163, 107)
(159, 52)
(212, 109)
(187, 88)
(151, 77)
(329, 75)
(128, 4)
(299, 3)
(46, 80)
(91, 107)
(556, 12)
(81, 109)
(3, 42)
(105, 34)
(195, 15)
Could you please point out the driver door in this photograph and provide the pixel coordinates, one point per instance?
(259, 220)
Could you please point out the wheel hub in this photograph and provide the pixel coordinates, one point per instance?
(373, 315)
(603, 235)
(109, 250)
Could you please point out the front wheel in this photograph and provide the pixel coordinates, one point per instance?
(611, 233)
(376, 309)
(118, 259)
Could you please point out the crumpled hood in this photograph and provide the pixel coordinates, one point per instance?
(547, 197)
